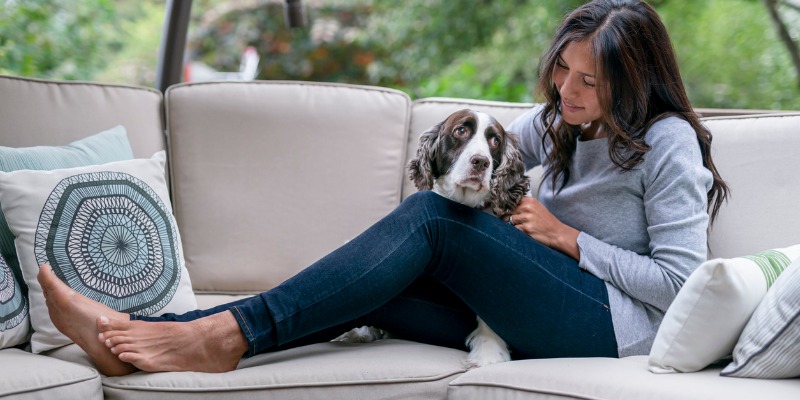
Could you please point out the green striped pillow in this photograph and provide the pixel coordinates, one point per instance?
(772, 263)
(100, 148)
(768, 347)
(712, 308)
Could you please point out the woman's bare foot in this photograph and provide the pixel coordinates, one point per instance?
(75, 315)
(211, 344)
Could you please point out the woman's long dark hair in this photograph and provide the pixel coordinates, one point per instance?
(638, 84)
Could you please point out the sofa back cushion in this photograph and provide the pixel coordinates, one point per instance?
(36, 112)
(758, 157)
(269, 176)
(428, 112)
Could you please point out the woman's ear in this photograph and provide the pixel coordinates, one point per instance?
(509, 183)
(420, 169)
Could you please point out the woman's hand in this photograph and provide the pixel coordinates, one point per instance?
(534, 219)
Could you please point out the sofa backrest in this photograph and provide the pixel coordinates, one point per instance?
(269, 176)
(37, 112)
(759, 157)
(253, 210)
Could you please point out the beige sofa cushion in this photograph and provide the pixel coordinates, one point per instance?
(29, 376)
(428, 112)
(270, 176)
(758, 157)
(605, 378)
(387, 369)
(53, 113)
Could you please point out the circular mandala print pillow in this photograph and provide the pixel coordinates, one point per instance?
(109, 236)
(13, 305)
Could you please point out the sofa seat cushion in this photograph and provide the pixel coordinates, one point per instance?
(384, 369)
(24, 375)
(607, 378)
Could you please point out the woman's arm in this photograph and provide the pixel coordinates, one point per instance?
(675, 186)
(533, 218)
(529, 134)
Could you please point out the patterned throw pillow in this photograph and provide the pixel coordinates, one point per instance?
(14, 323)
(100, 148)
(107, 231)
(710, 312)
(768, 347)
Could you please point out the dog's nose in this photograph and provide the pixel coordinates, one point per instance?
(479, 163)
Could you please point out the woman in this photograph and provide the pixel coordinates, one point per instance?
(586, 270)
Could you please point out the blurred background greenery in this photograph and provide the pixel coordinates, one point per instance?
(731, 52)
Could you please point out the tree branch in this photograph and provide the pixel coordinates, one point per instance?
(786, 37)
(791, 5)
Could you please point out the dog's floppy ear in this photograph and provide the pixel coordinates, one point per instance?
(510, 183)
(420, 169)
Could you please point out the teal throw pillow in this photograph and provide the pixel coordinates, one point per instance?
(104, 147)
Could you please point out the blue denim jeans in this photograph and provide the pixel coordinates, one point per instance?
(423, 273)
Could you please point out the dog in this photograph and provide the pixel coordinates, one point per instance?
(469, 158)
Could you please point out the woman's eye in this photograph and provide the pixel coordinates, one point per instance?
(587, 83)
(460, 132)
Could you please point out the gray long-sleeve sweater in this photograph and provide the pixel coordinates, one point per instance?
(642, 231)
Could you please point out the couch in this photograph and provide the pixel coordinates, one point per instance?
(255, 166)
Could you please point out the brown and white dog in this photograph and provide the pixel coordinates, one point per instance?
(471, 159)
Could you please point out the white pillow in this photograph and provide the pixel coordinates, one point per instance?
(710, 312)
(14, 321)
(107, 230)
(769, 346)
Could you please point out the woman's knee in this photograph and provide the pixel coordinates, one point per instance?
(423, 196)
(426, 201)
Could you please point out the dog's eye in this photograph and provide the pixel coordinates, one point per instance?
(494, 142)
(460, 132)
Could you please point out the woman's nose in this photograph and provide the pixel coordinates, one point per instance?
(567, 88)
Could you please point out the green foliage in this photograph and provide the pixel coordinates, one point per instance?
(424, 47)
(728, 50)
(497, 62)
(66, 39)
(139, 26)
(455, 48)
(730, 55)
(325, 52)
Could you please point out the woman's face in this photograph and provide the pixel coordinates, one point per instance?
(574, 77)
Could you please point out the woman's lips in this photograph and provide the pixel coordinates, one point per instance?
(570, 107)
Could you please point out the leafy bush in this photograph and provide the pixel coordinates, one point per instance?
(729, 51)
(67, 39)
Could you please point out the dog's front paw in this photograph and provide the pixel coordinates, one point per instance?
(487, 352)
(486, 347)
(364, 334)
